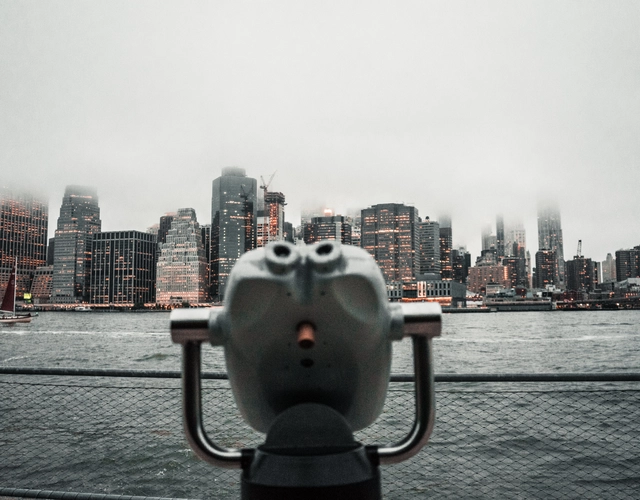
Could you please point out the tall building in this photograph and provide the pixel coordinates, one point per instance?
(24, 221)
(550, 236)
(233, 220)
(627, 263)
(205, 232)
(446, 245)
(181, 268)
(333, 227)
(123, 268)
(389, 235)
(488, 238)
(608, 269)
(79, 221)
(270, 226)
(428, 256)
(515, 240)
(581, 274)
(500, 240)
(461, 264)
(517, 269)
(546, 272)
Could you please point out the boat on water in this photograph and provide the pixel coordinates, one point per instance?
(82, 309)
(8, 314)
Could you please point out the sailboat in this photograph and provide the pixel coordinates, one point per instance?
(8, 309)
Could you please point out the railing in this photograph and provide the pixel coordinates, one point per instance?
(119, 432)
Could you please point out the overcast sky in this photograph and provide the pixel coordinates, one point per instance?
(462, 108)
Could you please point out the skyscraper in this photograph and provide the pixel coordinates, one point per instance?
(181, 266)
(79, 220)
(608, 269)
(24, 221)
(446, 245)
(428, 234)
(123, 268)
(389, 235)
(550, 236)
(233, 220)
(500, 241)
(546, 272)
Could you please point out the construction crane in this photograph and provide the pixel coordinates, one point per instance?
(265, 185)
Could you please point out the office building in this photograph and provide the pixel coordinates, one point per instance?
(24, 221)
(233, 221)
(517, 271)
(461, 264)
(333, 227)
(123, 268)
(582, 274)
(446, 245)
(205, 233)
(627, 263)
(500, 237)
(428, 234)
(550, 237)
(181, 269)
(78, 222)
(546, 271)
(608, 269)
(389, 235)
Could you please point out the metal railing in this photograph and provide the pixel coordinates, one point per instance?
(119, 432)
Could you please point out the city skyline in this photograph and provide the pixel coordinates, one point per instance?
(456, 108)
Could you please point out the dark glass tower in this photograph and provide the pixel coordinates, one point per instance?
(79, 220)
(233, 224)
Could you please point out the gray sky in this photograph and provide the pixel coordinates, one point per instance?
(468, 108)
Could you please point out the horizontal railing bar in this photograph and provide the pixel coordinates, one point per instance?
(97, 372)
(69, 495)
(443, 377)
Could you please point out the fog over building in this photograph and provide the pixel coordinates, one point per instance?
(550, 236)
(78, 222)
(233, 223)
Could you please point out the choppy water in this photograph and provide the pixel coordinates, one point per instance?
(112, 438)
(522, 342)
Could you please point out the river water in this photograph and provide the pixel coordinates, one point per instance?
(522, 342)
(76, 441)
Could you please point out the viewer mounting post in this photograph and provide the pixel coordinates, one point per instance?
(307, 335)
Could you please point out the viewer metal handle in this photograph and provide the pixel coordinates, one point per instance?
(190, 327)
(425, 412)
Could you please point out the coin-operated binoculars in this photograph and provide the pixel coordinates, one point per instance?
(307, 335)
